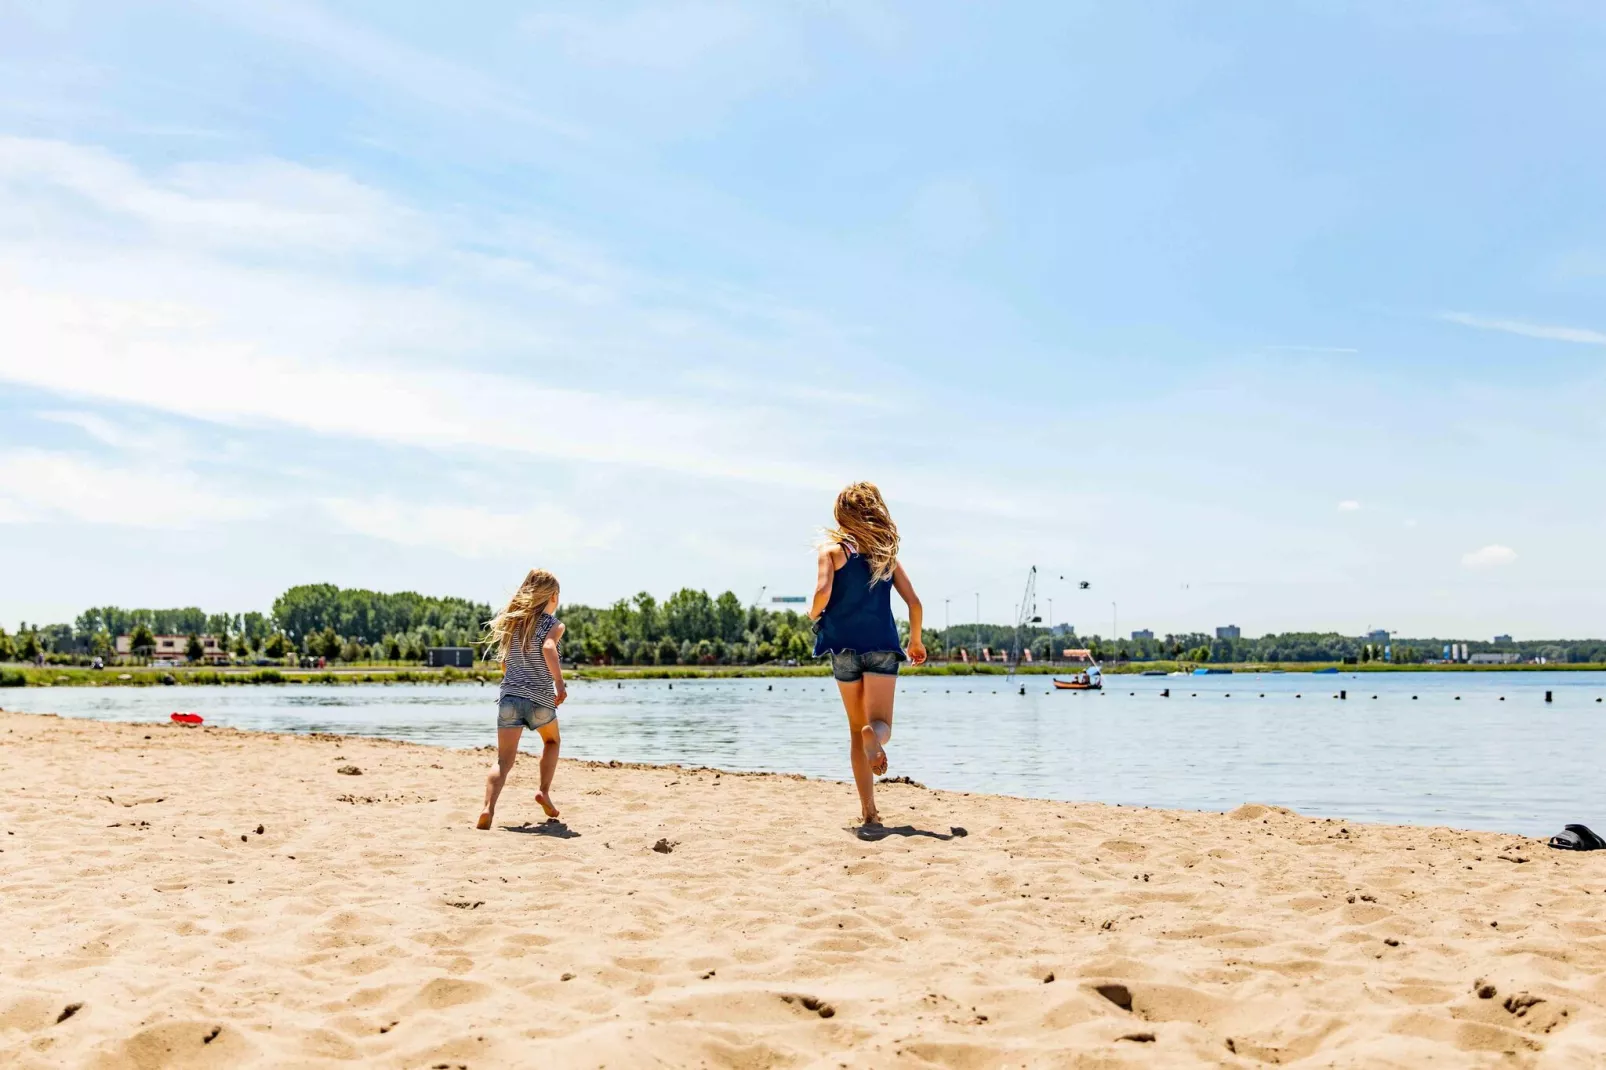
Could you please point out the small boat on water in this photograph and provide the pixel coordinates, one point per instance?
(1152, 672)
(1329, 671)
(1201, 671)
(1092, 679)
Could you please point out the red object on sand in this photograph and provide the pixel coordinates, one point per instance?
(187, 718)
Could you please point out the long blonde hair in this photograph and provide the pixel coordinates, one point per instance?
(863, 522)
(516, 623)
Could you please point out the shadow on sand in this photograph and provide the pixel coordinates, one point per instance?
(872, 833)
(550, 827)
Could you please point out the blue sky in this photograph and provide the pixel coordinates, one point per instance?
(1288, 315)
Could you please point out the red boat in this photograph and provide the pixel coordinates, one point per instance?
(1093, 684)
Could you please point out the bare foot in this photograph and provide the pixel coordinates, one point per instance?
(873, 751)
(484, 821)
(546, 803)
(873, 817)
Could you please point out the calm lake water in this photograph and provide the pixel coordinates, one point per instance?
(1480, 751)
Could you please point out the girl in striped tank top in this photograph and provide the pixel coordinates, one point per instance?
(526, 635)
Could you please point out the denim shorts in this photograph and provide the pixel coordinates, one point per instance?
(515, 712)
(850, 665)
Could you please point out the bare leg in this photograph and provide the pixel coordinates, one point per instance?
(507, 752)
(863, 779)
(549, 766)
(879, 691)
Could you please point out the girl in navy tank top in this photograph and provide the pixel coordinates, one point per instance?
(852, 608)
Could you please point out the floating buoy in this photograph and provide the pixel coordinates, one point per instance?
(187, 718)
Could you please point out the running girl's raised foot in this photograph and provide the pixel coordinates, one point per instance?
(874, 752)
(545, 801)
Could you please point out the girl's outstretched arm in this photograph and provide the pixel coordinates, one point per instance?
(823, 577)
(549, 651)
(906, 591)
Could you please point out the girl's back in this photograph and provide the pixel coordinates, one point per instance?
(859, 614)
(524, 669)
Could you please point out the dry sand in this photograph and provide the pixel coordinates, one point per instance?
(206, 897)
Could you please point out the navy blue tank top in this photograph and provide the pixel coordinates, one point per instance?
(859, 615)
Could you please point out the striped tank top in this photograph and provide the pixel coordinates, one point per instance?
(524, 671)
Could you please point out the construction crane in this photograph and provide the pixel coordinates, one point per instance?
(1026, 619)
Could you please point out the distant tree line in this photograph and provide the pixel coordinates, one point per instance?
(690, 627)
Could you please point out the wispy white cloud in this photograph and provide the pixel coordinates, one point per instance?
(546, 533)
(1309, 349)
(673, 36)
(264, 203)
(378, 60)
(1488, 557)
(1548, 332)
(125, 437)
(170, 320)
(1349, 505)
(39, 485)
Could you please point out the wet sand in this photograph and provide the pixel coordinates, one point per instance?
(197, 897)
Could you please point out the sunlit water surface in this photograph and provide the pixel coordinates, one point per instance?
(1481, 751)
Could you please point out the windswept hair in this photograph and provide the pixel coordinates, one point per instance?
(862, 521)
(516, 623)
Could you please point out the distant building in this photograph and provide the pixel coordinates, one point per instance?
(1143, 633)
(1502, 639)
(176, 648)
(1378, 635)
(1229, 631)
(1494, 659)
(1064, 629)
(453, 657)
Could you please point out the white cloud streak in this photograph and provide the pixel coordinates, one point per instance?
(1488, 557)
(1547, 332)
(40, 485)
(1349, 506)
(544, 533)
(255, 324)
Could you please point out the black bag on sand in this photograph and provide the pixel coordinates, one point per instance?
(1577, 838)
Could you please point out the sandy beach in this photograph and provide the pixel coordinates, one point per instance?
(197, 897)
